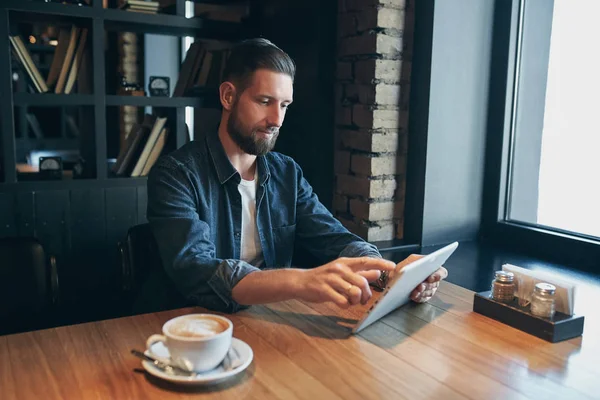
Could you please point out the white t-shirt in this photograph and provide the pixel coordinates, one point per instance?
(251, 250)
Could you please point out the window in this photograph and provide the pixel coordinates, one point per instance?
(555, 164)
(543, 139)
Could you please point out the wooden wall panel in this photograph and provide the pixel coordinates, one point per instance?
(51, 221)
(82, 228)
(87, 264)
(8, 221)
(25, 213)
(121, 214)
(142, 203)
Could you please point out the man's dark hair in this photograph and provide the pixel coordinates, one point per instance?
(250, 55)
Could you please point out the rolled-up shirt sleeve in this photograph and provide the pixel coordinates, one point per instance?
(187, 253)
(360, 249)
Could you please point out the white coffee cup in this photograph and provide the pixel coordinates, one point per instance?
(200, 341)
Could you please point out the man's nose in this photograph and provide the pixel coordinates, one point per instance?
(276, 115)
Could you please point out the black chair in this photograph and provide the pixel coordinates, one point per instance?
(139, 258)
(145, 285)
(30, 294)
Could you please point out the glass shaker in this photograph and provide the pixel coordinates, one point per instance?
(503, 286)
(542, 300)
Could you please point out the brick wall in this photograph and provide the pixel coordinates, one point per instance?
(372, 92)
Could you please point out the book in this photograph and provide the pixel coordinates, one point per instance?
(131, 148)
(156, 151)
(159, 124)
(139, 8)
(19, 56)
(150, 7)
(205, 70)
(142, 3)
(187, 69)
(34, 69)
(76, 62)
(202, 67)
(59, 57)
(66, 65)
(196, 71)
(25, 59)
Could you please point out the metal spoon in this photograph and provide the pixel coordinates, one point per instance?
(234, 359)
(163, 366)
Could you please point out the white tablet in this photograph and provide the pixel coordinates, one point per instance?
(398, 290)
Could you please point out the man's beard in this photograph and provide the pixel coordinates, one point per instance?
(249, 142)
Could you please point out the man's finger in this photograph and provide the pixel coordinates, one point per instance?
(441, 273)
(371, 275)
(429, 286)
(368, 263)
(354, 295)
(349, 289)
(415, 295)
(417, 291)
(423, 299)
(338, 299)
(361, 283)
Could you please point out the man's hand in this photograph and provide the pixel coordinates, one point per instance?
(426, 289)
(344, 281)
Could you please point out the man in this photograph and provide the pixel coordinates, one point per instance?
(227, 212)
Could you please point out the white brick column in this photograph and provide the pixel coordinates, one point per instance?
(372, 92)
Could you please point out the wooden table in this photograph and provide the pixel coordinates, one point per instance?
(439, 350)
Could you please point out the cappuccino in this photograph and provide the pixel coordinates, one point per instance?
(201, 340)
(198, 327)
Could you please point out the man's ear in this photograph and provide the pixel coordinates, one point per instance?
(227, 95)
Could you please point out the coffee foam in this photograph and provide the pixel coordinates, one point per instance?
(198, 327)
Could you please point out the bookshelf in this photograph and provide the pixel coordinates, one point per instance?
(81, 220)
(99, 21)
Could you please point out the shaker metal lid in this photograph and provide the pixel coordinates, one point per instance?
(545, 288)
(504, 276)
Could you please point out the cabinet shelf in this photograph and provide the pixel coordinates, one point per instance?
(31, 9)
(52, 99)
(125, 21)
(164, 24)
(72, 184)
(141, 101)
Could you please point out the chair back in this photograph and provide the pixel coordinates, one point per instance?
(140, 256)
(29, 281)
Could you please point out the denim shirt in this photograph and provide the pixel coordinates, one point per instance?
(194, 209)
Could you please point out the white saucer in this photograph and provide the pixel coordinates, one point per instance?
(158, 350)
